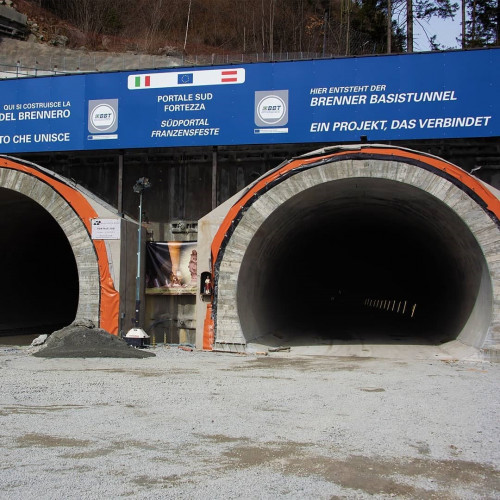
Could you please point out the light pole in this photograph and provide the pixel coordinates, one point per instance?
(139, 187)
(136, 335)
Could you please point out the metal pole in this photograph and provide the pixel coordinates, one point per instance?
(136, 335)
(120, 184)
(214, 178)
(138, 276)
(120, 213)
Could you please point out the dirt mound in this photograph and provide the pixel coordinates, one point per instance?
(83, 340)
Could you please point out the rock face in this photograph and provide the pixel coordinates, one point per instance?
(82, 340)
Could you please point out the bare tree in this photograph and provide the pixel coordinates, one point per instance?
(187, 24)
(389, 26)
(463, 22)
(409, 25)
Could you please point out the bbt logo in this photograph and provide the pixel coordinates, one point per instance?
(271, 108)
(103, 116)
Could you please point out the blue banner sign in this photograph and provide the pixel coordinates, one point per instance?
(394, 97)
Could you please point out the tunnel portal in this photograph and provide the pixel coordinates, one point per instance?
(352, 246)
(39, 291)
(54, 272)
(326, 257)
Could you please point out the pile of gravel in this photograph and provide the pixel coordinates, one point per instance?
(82, 340)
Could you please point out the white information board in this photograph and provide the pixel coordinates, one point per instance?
(106, 229)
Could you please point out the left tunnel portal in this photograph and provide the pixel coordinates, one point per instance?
(39, 291)
(53, 271)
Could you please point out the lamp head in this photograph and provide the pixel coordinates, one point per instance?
(141, 184)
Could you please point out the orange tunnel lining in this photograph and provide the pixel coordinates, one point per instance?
(110, 298)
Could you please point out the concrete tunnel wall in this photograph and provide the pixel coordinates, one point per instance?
(49, 213)
(372, 223)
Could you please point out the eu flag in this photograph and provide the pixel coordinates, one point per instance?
(184, 78)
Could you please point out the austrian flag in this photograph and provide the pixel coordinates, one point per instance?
(192, 79)
(229, 76)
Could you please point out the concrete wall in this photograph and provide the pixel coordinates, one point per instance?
(207, 228)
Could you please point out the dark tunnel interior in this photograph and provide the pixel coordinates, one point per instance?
(367, 258)
(39, 288)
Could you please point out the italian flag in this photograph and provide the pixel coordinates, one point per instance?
(142, 81)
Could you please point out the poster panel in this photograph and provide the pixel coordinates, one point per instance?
(171, 268)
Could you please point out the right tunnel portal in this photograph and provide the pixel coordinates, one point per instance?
(349, 247)
(367, 258)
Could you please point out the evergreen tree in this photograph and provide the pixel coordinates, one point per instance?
(482, 26)
(370, 17)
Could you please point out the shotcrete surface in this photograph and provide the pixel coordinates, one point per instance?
(192, 424)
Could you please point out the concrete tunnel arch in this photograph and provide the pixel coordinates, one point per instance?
(382, 223)
(65, 216)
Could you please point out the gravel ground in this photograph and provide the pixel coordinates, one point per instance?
(206, 425)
